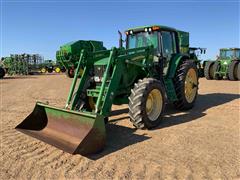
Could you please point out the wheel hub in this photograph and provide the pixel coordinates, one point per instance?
(154, 104)
(190, 85)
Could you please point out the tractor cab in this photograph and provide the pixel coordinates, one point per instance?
(229, 53)
(163, 39)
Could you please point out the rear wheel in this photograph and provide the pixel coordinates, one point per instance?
(208, 70)
(186, 85)
(2, 72)
(216, 67)
(146, 103)
(70, 72)
(238, 72)
(232, 70)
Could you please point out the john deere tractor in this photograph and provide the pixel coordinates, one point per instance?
(153, 69)
(226, 66)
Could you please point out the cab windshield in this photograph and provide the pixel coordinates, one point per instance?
(143, 39)
(227, 54)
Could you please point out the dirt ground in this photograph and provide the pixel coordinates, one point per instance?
(203, 143)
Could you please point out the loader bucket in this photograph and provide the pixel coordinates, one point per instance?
(71, 131)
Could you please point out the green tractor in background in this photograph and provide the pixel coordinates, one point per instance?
(69, 53)
(226, 66)
(155, 68)
(50, 66)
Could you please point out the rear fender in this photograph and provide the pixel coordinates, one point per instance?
(175, 61)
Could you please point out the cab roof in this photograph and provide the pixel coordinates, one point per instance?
(222, 49)
(141, 28)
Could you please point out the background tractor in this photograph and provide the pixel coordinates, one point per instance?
(153, 69)
(50, 66)
(226, 66)
(69, 53)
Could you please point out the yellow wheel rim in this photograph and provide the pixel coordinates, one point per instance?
(154, 104)
(57, 70)
(191, 85)
(43, 70)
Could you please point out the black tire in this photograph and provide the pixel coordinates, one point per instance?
(208, 69)
(70, 72)
(49, 70)
(63, 70)
(216, 67)
(238, 71)
(2, 72)
(232, 70)
(183, 102)
(138, 101)
(201, 72)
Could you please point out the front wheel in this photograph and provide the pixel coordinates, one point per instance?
(216, 67)
(43, 70)
(186, 85)
(208, 70)
(50, 70)
(146, 103)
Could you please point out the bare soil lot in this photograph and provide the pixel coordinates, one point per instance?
(203, 143)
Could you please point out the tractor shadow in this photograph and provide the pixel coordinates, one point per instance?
(203, 103)
(119, 137)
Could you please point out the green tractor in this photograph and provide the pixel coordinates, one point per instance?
(155, 68)
(69, 53)
(226, 66)
(50, 66)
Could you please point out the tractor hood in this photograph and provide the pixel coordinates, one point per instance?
(101, 62)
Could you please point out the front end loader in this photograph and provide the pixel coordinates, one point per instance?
(153, 69)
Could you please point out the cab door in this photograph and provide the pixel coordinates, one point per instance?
(168, 45)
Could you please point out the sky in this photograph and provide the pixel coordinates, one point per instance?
(43, 26)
